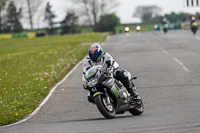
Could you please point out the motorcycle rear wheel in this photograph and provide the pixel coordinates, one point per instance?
(194, 30)
(108, 111)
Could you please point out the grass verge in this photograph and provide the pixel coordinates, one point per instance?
(29, 68)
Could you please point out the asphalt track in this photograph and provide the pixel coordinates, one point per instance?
(168, 70)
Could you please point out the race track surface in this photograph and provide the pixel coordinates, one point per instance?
(168, 70)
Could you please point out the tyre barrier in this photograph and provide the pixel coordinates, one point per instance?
(18, 35)
(5, 36)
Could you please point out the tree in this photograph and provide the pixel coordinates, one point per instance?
(30, 14)
(171, 17)
(69, 24)
(182, 17)
(108, 22)
(93, 9)
(197, 15)
(174, 17)
(31, 9)
(49, 17)
(147, 13)
(2, 14)
(157, 19)
(13, 24)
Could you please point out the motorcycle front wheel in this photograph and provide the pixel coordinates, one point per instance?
(139, 108)
(165, 30)
(107, 110)
(194, 30)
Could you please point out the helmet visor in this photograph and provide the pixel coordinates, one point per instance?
(95, 52)
(95, 56)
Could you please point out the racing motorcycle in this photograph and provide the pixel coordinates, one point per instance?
(194, 27)
(109, 94)
(165, 28)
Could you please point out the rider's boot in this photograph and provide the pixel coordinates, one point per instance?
(134, 94)
(133, 91)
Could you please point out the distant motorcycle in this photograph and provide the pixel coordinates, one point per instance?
(165, 28)
(126, 29)
(194, 27)
(110, 96)
(138, 28)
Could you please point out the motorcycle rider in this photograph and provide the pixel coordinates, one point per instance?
(193, 19)
(193, 24)
(165, 24)
(97, 57)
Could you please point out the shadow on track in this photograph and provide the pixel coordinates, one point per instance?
(92, 119)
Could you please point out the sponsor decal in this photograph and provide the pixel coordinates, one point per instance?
(116, 92)
(90, 75)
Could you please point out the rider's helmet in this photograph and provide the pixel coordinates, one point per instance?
(164, 20)
(95, 52)
(193, 18)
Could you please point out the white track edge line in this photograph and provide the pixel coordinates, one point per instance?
(197, 37)
(165, 52)
(180, 63)
(48, 96)
(175, 59)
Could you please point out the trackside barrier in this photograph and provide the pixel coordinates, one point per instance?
(31, 35)
(21, 35)
(5, 36)
(18, 35)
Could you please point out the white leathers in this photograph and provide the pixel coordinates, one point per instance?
(106, 57)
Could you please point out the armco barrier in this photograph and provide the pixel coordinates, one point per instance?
(5, 36)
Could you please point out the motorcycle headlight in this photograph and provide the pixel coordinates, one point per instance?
(92, 83)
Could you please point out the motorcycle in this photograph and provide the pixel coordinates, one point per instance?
(127, 30)
(138, 28)
(165, 28)
(109, 94)
(194, 27)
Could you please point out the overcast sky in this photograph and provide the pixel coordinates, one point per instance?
(126, 8)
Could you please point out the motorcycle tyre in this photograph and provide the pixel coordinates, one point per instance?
(102, 109)
(137, 110)
(194, 30)
(165, 31)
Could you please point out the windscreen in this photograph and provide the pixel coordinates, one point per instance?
(90, 74)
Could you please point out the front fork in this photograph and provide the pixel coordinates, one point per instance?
(106, 94)
(107, 97)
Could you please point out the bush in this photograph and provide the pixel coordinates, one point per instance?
(108, 22)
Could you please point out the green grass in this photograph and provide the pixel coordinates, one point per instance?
(29, 68)
(85, 29)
